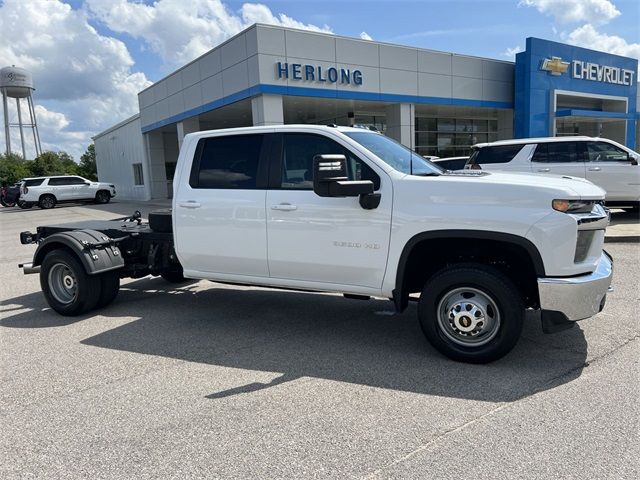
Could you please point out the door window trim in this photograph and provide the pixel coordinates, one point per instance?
(277, 161)
(261, 170)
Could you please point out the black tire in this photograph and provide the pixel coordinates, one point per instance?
(79, 295)
(109, 288)
(25, 205)
(173, 277)
(102, 196)
(160, 221)
(496, 314)
(47, 201)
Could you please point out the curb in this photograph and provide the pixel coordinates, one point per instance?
(622, 239)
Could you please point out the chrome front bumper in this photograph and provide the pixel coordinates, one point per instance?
(578, 297)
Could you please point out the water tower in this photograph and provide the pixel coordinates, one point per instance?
(18, 83)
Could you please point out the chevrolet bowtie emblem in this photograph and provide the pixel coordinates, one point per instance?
(555, 66)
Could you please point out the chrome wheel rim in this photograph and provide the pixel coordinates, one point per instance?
(468, 316)
(63, 283)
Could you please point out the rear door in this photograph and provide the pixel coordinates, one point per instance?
(610, 167)
(61, 188)
(220, 224)
(319, 239)
(558, 158)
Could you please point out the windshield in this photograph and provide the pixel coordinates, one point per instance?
(394, 154)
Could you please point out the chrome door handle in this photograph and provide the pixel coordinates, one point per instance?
(189, 204)
(544, 169)
(285, 207)
(594, 169)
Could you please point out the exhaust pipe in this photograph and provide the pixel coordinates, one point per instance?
(28, 268)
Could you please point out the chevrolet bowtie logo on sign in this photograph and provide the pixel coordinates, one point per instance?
(555, 66)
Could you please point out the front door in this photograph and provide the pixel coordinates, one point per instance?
(319, 239)
(558, 158)
(610, 167)
(220, 224)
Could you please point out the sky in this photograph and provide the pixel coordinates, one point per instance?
(89, 59)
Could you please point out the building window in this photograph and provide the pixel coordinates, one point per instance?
(452, 137)
(138, 176)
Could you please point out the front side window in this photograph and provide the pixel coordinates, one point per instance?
(299, 149)
(556, 152)
(395, 154)
(605, 152)
(229, 162)
(76, 181)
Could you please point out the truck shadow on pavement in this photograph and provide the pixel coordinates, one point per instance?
(310, 335)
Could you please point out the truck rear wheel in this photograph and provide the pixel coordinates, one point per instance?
(471, 313)
(66, 285)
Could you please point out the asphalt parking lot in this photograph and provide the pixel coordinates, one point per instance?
(214, 381)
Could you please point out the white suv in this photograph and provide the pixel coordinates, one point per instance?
(47, 191)
(604, 162)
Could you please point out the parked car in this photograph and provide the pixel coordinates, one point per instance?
(46, 192)
(451, 163)
(604, 162)
(350, 211)
(9, 195)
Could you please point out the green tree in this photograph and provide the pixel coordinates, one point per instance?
(13, 168)
(54, 163)
(87, 167)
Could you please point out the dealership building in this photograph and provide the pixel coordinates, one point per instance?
(436, 103)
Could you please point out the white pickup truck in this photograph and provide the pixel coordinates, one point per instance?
(348, 210)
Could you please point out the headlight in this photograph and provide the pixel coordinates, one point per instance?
(573, 206)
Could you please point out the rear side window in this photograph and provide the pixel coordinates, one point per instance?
(499, 154)
(229, 162)
(33, 183)
(556, 152)
(59, 181)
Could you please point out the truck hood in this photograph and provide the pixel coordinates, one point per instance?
(573, 187)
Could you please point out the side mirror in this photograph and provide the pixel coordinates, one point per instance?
(330, 179)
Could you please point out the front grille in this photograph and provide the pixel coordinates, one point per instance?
(585, 237)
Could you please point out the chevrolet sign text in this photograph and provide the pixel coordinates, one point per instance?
(602, 73)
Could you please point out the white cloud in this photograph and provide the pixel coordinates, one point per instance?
(567, 11)
(588, 37)
(365, 36)
(84, 81)
(510, 53)
(178, 34)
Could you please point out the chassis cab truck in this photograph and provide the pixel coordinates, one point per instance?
(350, 211)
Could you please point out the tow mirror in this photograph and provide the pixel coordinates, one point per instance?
(330, 179)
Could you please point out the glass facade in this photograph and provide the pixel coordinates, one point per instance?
(452, 137)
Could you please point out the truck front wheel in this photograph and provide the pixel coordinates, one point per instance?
(471, 313)
(66, 285)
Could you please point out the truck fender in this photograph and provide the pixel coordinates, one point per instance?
(97, 252)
